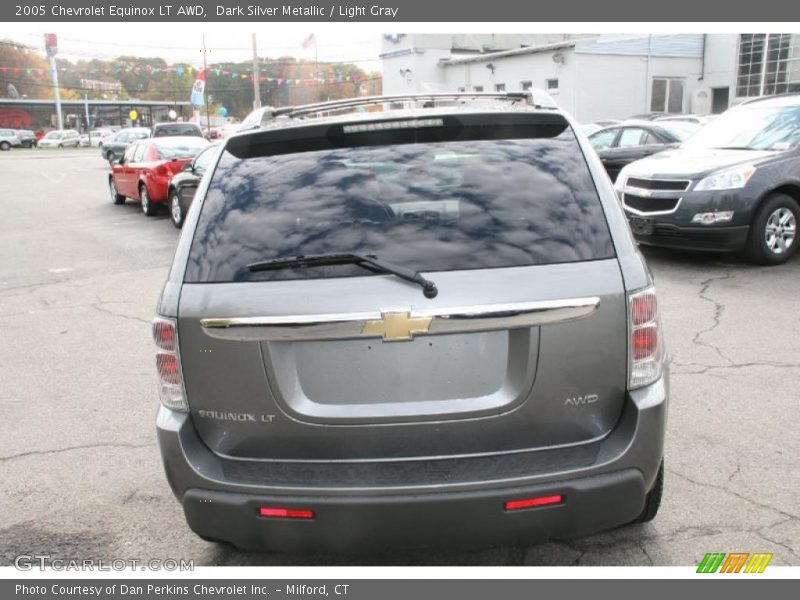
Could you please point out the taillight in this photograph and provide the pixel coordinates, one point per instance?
(285, 513)
(162, 170)
(645, 347)
(168, 364)
(534, 502)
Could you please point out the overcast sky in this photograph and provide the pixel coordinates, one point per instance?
(225, 42)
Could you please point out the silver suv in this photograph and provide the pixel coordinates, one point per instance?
(412, 326)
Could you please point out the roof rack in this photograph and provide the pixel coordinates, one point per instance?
(261, 117)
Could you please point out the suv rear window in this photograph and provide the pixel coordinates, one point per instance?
(443, 205)
(174, 129)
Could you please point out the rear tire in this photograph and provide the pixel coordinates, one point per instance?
(773, 233)
(148, 208)
(176, 211)
(652, 501)
(110, 156)
(115, 197)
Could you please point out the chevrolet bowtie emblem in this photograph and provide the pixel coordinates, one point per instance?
(396, 327)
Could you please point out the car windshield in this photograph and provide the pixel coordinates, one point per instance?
(129, 136)
(429, 207)
(177, 129)
(751, 128)
(54, 135)
(180, 147)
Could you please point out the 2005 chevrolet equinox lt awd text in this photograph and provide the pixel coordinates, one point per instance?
(422, 325)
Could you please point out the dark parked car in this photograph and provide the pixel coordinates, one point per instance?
(27, 138)
(734, 185)
(113, 148)
(383, 329)
(622, 144)
(145, 169)
(176, 129)
(184, 184)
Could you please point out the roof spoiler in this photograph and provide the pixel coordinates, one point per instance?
(262, 117)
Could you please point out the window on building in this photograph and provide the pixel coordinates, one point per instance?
(526, 85)
(499, 87)
(551, 85)
(667, 95)
(477, 88)
(462, 89)
(768, 64)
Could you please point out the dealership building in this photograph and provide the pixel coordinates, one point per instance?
(600, 76)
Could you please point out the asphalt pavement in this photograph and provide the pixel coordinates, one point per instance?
(80, 471)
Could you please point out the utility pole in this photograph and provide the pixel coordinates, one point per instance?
(256, 86)
(88, 122)
(205, 87)
(51, 45)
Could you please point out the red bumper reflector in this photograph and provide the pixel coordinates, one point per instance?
(285, 513)
(533, 502)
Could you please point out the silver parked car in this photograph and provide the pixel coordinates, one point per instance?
(9, 139)
(407, 328)
(65, 138)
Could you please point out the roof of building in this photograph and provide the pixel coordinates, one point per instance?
(446, 62)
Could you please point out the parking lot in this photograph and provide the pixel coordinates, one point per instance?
(79, 464)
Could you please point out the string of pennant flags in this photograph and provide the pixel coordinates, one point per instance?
(180, 71)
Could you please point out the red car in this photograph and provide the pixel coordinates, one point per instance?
(144, 170)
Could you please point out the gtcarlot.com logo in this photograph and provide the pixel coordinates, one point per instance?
(734, 562)
(28, 562)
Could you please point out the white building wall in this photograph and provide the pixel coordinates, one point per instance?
(590, 86)
(721, 58)
(616, 87)
(606, 78)
(417, 56)
(719, 70)
(416, 71)
(512, 71)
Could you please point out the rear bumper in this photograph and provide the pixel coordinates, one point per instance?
(608, 492)
(432, 520)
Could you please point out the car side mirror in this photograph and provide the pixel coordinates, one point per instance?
(119, 160)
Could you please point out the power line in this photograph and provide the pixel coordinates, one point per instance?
(198, 49)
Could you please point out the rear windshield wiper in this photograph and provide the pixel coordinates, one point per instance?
(368, 261)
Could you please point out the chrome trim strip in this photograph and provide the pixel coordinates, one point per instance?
(688, 183)
(445, 320)
(653, 213)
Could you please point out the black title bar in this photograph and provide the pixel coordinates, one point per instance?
(398, 11)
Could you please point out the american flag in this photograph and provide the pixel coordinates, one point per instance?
(310, 41)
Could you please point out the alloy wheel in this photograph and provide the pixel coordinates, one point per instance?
(781, 229)
(145, 200)
(176, 209)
